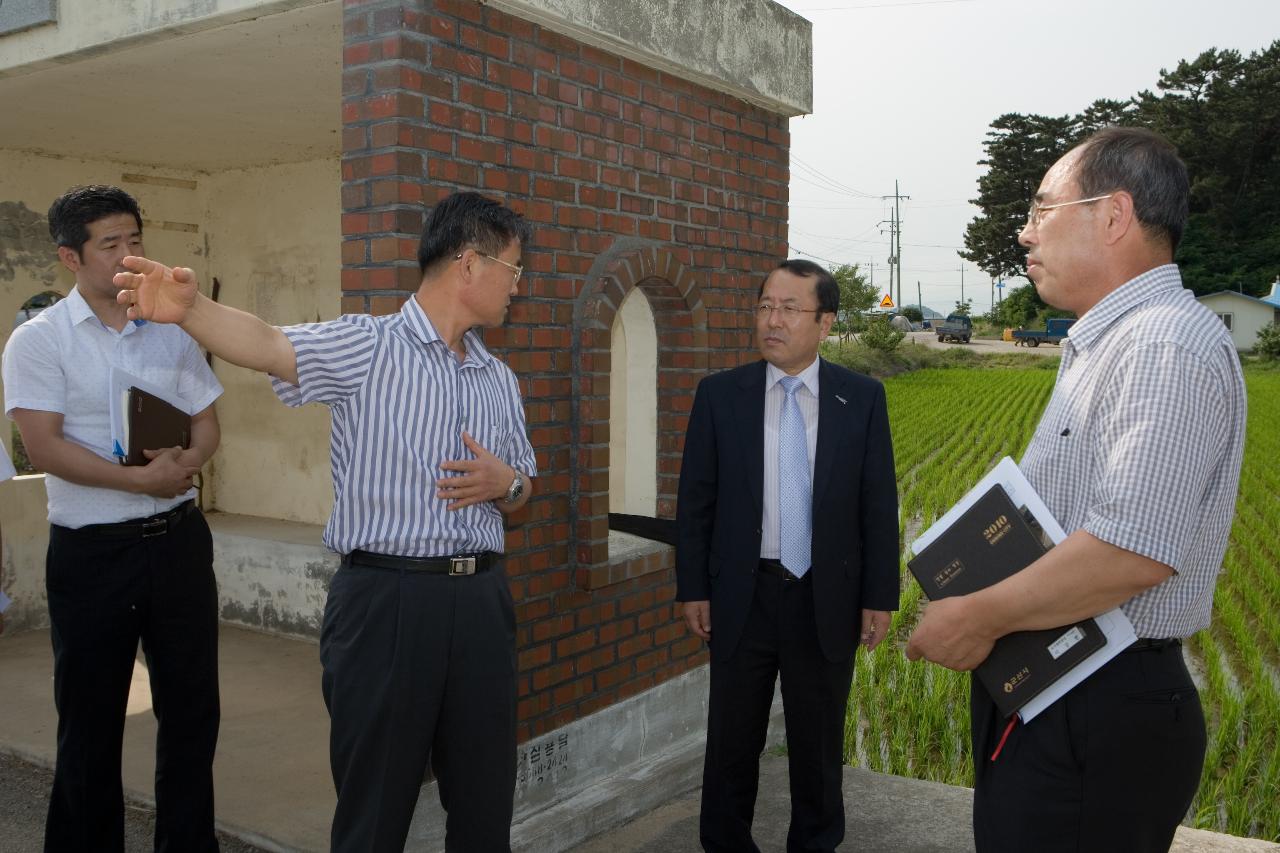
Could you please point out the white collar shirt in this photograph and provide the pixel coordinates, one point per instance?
(60, 361)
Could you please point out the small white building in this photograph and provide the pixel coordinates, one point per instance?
(1244, 315)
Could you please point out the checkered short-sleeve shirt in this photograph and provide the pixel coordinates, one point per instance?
(1142, 440)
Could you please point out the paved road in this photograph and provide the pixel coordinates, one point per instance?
(24, 798)
(984, 345)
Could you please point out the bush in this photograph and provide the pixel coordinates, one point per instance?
(880, 334)
(861, 358)
(1267, 347)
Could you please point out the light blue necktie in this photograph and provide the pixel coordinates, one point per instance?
(795, 494)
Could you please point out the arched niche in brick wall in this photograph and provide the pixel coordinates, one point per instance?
(674, 296)
(633, 408)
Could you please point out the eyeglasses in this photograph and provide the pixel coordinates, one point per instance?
(787, 312)
(1036, 213)
(517, 269)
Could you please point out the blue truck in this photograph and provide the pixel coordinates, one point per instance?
(1053, 333)
(957, 327)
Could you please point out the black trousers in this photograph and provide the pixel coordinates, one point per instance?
(420, 666)
(106, 594)
(780, 637)
(1112, 766)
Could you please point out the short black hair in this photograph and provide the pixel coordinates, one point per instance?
(71, 212)
(826, 288)
(1146, 166)
(468, 219)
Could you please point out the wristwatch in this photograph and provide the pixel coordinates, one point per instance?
(515, 490)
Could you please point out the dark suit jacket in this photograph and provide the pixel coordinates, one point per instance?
(855, 505)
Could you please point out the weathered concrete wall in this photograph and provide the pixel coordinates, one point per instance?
(25, 530)
(752, 49)
(171, 210)
(274, 237)
(89, 27)
(272, 575)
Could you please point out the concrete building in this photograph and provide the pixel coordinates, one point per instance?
(286, 150)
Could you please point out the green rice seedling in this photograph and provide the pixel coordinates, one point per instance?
(949, 426)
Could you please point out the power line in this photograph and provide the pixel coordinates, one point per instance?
(827, 188)
(814, 171)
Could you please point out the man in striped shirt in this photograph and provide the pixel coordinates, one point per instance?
(429, 451)
(1138, 457)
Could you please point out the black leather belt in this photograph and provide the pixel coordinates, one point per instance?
(140, 528)
(775, 568)
(1148, 645)
(456, 566)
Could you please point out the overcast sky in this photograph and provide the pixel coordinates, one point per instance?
(907, 89)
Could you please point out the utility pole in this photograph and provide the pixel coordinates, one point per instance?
(919, 302)
(895, 238)
(962, 284)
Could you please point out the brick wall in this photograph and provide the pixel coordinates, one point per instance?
(631, 178)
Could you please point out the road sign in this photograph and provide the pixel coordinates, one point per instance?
(887, 302)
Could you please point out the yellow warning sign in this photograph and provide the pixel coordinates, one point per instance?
(887, 302)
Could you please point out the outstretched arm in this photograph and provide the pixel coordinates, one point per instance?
(164, 294)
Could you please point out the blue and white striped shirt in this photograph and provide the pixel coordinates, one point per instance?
(400, 402)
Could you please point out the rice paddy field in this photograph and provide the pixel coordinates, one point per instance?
(949, 427)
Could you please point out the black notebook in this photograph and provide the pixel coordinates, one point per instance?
(152, 424)
(992, 540)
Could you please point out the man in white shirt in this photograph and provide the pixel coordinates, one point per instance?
(130, 556)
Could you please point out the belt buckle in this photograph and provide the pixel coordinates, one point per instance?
(155, 527)
(459, 566)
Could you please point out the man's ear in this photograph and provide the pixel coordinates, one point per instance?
(70, 258)
(1121, 218)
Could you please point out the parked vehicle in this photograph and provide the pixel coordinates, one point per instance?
(1053, 333)
(35, 305)
(957, 327)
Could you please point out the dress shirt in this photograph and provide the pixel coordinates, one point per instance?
(807, 400)
(1141, 442)
(400, 401)
(60, 361)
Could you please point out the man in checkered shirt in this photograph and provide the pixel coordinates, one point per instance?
(1138, 456)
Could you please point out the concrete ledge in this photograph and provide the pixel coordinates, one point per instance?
(273, 575)
(602, 770)
(755, 50)
(82, 31)
(883, 814)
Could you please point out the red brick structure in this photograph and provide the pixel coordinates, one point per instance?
(632, 177)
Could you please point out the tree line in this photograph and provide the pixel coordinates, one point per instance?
(1222, 111)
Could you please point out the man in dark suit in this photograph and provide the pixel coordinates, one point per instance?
(788, 533)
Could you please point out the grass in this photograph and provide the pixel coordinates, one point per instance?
(952, 418)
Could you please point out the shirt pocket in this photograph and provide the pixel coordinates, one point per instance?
(494, 435)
